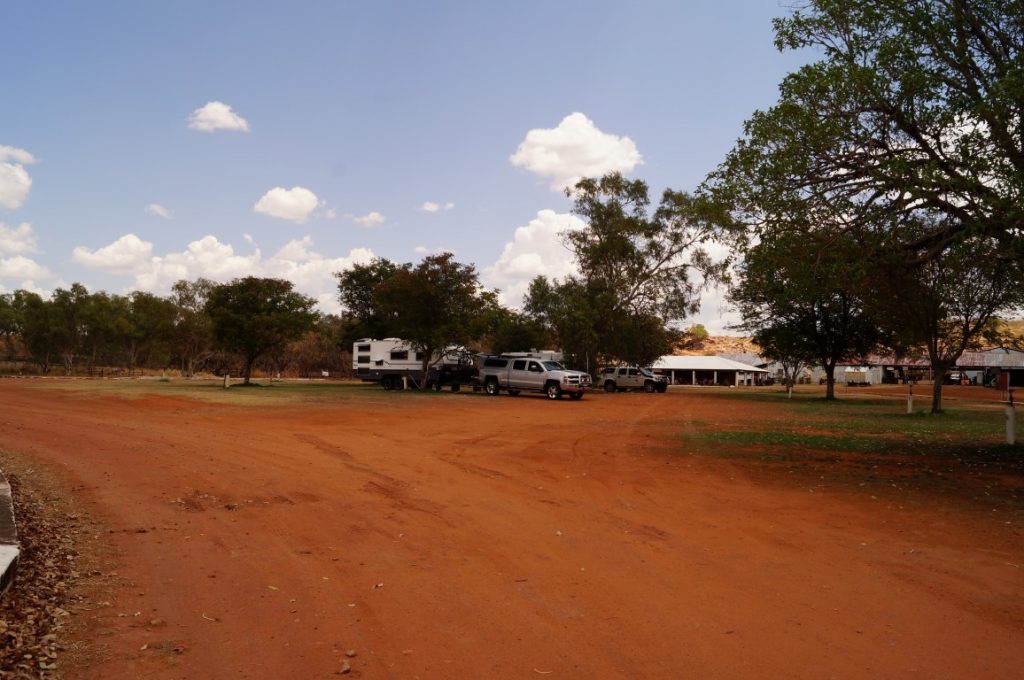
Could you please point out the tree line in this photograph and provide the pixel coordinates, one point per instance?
(878, 203)
(200, 326)
(878, 206)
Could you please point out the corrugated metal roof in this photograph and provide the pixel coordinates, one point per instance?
(698, 363)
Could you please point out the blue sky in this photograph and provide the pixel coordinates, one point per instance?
(143, 142)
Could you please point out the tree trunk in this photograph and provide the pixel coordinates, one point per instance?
(247, 371)
(427, 354)
(830, 382)
(937, 395)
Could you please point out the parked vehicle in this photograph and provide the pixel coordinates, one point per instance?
(524, 372)
(857, 376)
(622, 378)
(395, 364)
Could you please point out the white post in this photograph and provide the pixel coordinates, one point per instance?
(693, 377)
(714, 378)
(226, 378)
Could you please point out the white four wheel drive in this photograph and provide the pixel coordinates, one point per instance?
(622, 378)
(519, 373)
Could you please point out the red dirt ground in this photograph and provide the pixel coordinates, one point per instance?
(463, 536)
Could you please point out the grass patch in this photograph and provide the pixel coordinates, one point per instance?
(870, 443)
(212, 390)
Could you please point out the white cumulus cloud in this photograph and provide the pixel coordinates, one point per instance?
(18, 239)
(21, 267)
(432, 207)
(216, 116)
(158, 210)
(123, 255)
(297, 261)
(535, 249)
(371, 219)
(295, 204)
(575, 149)
(15, 181)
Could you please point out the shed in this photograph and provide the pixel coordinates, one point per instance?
(705, 370)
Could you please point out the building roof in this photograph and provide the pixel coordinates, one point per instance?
(698, 363)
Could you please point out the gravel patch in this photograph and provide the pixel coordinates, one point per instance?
(35, 613)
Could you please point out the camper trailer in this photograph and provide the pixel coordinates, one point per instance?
(396, 365)
(858, 376)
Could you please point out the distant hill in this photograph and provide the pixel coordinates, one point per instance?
(1015, 326)
(737, 344)
(719, 344)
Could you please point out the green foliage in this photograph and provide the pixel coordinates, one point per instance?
(803, 299)
(947, 304)
(357, 290)
(253, 316)
(913, 110)
(571, 315)
(514, 332)
(433, 305)
(637, 262)
(635, 273)
(193, 328)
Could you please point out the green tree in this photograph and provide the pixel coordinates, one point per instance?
(36, 325)
(913, 110)
(432, 306)
(146, 329)
(786, 344)
(357, 290)
(636, 271)
(948, 303)
(639, 261)
(512, 331)
(68, 318)
(570, 314)
(253, 316)
(193, 328)
(808, 295)
(10, 322)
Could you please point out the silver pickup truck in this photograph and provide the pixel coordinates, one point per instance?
(622, 378)
(517, 374)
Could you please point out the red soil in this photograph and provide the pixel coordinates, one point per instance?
(472, 537)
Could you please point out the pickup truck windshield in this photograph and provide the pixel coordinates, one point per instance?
(644, 371)
(553, 366)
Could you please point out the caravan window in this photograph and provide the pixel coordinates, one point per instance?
(363, 360)
(363, 348)
(400, 356)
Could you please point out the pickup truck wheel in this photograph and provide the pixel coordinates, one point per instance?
(553, 391)
(491, 388)
(662, 387)
(609, 386)
(648, 386)
(575, 396)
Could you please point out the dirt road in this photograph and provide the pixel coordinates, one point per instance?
(462, 536)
